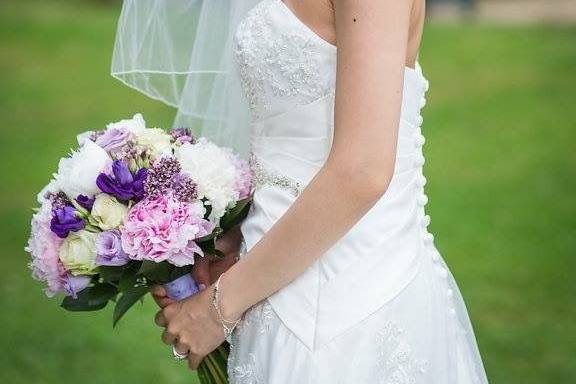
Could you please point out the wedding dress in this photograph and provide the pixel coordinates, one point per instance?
(380, 306)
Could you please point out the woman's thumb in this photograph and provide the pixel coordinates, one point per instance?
(201, 272)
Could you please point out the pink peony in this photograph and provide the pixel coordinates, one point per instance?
(162, 228)
(44, 247)
(243, 177)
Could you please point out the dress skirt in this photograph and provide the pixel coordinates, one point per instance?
(422, 336)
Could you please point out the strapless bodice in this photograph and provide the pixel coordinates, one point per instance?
(288, 75)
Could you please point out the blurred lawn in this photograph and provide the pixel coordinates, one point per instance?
(501, 126)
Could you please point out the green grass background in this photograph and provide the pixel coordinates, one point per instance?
(500, 124)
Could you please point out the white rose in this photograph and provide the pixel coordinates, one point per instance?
(156, 139)
(108, 212)
(78, 253)
(212, 170)
(134, 125)
(77, 174)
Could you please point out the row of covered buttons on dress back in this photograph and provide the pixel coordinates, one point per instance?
(422, 201)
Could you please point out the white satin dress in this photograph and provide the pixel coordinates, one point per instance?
(380, 306)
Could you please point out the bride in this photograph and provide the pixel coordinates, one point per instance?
(339, 280)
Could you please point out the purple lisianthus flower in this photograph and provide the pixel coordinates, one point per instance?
(64, 220)
(109, 250)
(85, 202)
(122, 184)
(113, 138)
(72, 285)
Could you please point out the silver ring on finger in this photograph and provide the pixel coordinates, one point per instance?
(177, 355)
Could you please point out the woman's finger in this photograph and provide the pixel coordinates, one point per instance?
(158, 291)
(162, 301)
(194, 361)
(160, 319)
(201, 272)
(181, 348)
(168, 338)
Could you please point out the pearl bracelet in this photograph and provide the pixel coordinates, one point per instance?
(227, 325)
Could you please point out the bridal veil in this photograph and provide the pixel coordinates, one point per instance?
(181, 53)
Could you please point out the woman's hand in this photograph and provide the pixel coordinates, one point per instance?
(207, 269)
(192, 326)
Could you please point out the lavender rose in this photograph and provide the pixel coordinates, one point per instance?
(65, 220)
(109, 250)
(114, 138)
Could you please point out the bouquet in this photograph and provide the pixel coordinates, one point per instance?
(133, 207)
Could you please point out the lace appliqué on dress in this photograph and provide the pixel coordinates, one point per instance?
(275, 64)
(263, 176)
(259, 316)
(396, 363)
(248, 371)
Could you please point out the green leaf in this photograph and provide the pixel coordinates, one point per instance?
(128, 280)
(126, 301)
(235, 215)
(156, 272)
(215, 233)
(179, 272)
(90, 299)
(111, 274)
(209, 247)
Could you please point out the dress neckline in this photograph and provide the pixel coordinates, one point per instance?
(291, 15)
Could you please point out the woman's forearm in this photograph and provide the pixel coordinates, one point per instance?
(331, 204)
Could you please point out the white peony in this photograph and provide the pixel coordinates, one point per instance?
(135, 124)
(77, 174)
(213, 171)
(156, 139)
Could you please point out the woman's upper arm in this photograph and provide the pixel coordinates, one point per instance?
(372, 38)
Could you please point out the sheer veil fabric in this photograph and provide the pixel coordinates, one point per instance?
(180, 52)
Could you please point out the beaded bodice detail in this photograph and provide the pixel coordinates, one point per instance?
(281, 64)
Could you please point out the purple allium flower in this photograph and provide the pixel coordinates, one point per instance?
(182, 135)
(85, 202)
(64, 220)
(160, 176)
(184, 188)
(133, 153)
(113, 139)
(59, 200)
(122, 184)
(109, 250)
